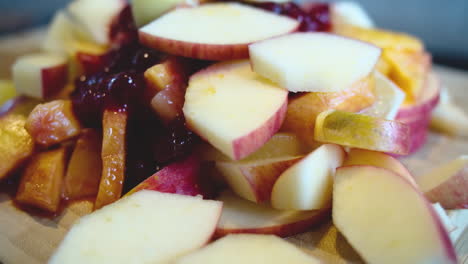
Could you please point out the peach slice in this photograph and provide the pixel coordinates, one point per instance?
(361, 131)
(114, 124)
(447, 184)
(307, 185)
(233, 108)
(248, 248)
(200, 32)
(145, 227)
(242, 216)
(16, 145)
(313, 62)
(53, 122)
(41, 181)
(386, 219)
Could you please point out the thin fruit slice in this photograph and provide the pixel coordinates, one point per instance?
(313, 62)
(16, 145)
(234, 249)
(113, 154)
(378, 159)
(146, 227)
(307, 185)
(233, 108)
(447, 184)
(254, 180)
(145, 11)
(41, 181)
(386, 219)
(389, 98)
(361, 131)
(85, 167)
(242, 216)
(200, 32)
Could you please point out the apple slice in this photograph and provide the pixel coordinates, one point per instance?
(378, 159)
(448, 117)
(307, 185)
(200, 32)
(53, 122)
(96, 17)
(41, 181)
(7, 91)
(386, 219)
(146, 227)
(85, 167)
(145, 11)
(16, 145)
(313, 62)
(233, 108)
(40, 75)
(447, 184)
(113, 156)
(248, 248)
(361, 131)
(254, 180)
(242, 216)
(389, 98)
(350, 13)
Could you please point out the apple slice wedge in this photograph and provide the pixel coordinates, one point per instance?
(386, 219)
(448, 117)
(145, 227)
(361, 131)
(313, 62)
(145, 11)
(40, 75)
(242, 216)
(447, 184)
(200, 32)
(307, 185)
(248, 248)
(233, 108)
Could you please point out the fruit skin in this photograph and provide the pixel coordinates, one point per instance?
(357, 194)
(242, 216)
(41, 181)
(16, 145)
(53, 122)
(303, 109)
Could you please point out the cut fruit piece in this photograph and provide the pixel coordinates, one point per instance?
(389, 98)
(233, 108)
(20, 105)
(7, 91)
(146, 227)
(361, 131)
(308, 184)
(200, 32)
(350, 13)
(145, 11)
(167, 74)
(245, 248)
(303, 109)
(400, 224)
(41, 181)
(242, 216)
(53, 122)
(16, 145)
(96, 17)
(447, 184)
(169, 102)
(254, 180)
(313, 62)
(85, 167)
(40, 75)
(448, 117)
(114, 125)
(182, 177)
(378, 159)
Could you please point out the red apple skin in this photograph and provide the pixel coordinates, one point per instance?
(451, 194)
(53, 79)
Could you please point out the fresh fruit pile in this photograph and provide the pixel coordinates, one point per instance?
(203, 119)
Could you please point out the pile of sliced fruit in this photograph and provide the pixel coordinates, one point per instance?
(187, 121)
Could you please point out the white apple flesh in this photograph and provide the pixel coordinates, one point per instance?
(313, 62)
(146, 227)
(350, 13)
(214, 31)
(386, 219)
(233, 108)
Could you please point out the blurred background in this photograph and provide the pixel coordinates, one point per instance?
(442, 24)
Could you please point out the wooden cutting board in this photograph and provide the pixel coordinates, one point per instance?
(28, 239)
